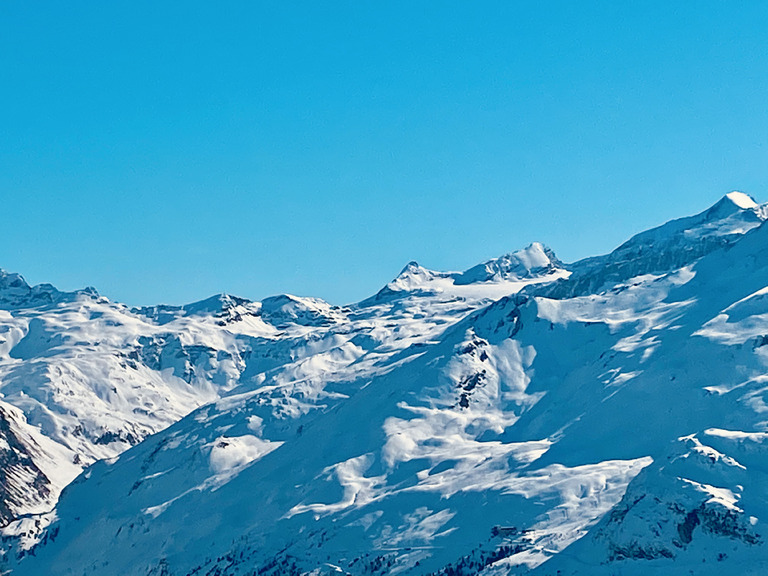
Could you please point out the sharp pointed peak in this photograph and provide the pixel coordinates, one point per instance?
(411, 267)
(734, 204)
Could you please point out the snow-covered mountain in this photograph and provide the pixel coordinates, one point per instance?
(523, 416)
(83, 379)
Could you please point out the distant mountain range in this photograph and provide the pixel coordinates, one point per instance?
(525, 416)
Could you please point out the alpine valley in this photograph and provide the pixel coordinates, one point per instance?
(525, 416)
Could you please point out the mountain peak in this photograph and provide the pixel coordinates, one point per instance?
(12, 280)
(536, 259)
(413, 277)
(668, 247)
(732, 203)
(285, 309)
(740, 199)
(15, 292)
(412, 267)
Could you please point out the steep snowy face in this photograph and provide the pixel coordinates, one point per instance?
(612, 422)
(30, 467)
(693, 514)
(668, 247)
(399, 468)
(88, 379)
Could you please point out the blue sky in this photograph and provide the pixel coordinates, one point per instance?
(163, 153)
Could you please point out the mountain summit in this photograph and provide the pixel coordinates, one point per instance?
(741, 200)
(535, 260)
(524, 416)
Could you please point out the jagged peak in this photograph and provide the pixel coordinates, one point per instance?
(413, 277)
(536, 255)
(12, 280)
(16, 292)
(534, 263)
(412, 267)
(536, 259)
(415, 271)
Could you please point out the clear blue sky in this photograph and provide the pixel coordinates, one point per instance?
(166, 151)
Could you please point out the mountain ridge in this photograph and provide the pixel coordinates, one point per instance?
(436, 428)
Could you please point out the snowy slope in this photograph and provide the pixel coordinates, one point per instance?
(524, 416)
(85, 378)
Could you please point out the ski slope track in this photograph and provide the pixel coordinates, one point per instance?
(525, 416)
